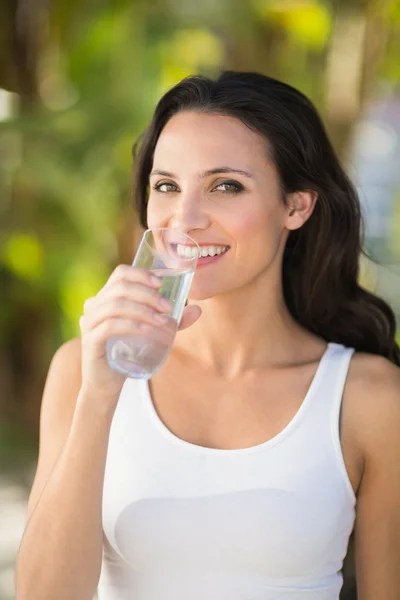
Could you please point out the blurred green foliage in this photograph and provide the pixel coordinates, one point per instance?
(83, 78)
(86, 79)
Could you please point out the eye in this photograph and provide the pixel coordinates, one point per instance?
(165, 186)
(229, 187)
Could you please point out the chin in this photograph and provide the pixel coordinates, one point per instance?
(207, 290)
(198, 295)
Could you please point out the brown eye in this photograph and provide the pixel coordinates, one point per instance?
(165, 186)
(229, 187)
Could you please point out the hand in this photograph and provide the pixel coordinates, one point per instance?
(128, 304)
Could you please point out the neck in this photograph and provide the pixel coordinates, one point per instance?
(247, 328)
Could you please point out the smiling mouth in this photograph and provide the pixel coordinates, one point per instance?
(202, 252)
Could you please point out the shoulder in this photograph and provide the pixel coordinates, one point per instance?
(373, 369)
(372, 375)
(65, 367)
(373, 401)
(72, 349)
(64, 377)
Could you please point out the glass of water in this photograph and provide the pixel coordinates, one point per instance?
(172, 256)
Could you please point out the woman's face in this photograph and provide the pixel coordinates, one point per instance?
(212, 179)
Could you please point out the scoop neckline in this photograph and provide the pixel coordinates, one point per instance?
(234, 451)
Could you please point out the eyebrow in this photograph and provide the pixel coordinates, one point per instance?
(205, 174)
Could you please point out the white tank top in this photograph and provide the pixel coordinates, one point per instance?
(269, 522)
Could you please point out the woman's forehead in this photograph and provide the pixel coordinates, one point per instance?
(211, 139)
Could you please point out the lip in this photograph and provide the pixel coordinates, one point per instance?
(203, 261)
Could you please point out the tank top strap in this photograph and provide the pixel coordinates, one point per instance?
(321, 430)
(326, 392)
(340, 358)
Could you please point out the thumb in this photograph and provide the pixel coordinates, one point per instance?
(190, 316)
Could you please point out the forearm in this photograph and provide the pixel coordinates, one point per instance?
(60, 553)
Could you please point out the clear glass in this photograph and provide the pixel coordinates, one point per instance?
(171, 255)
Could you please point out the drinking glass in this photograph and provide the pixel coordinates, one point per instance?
(172, 256)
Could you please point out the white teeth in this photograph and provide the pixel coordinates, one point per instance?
(190, 251)
(212, 250)
(187, 251)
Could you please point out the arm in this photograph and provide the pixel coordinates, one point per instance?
(60, 552)
(377, 530)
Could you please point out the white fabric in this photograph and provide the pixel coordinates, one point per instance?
(270, 522)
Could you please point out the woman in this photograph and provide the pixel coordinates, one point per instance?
(238, 473)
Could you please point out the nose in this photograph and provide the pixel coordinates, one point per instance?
(188, 214)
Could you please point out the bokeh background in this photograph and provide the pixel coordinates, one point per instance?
(78, 82)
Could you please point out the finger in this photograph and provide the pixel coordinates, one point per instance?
(133, 274)
(122, 308)
(115, 327)
(190, 315)
(136, 292)
(121, 281)
(119, 327)
(89, 302)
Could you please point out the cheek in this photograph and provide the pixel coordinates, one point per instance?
(158, 214)
(257, 232)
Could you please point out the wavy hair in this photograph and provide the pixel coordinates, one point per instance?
(320, 271)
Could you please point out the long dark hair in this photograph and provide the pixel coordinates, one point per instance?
(321, 259)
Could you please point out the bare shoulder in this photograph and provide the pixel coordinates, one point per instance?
(375, 377)
(68, 357)
(373, 400)
(373, 369)
(63, 383)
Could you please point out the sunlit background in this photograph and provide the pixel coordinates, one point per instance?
(78, 82)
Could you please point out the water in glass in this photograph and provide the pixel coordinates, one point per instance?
(140, 356)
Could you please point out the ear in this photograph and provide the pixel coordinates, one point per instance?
(300, 206)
